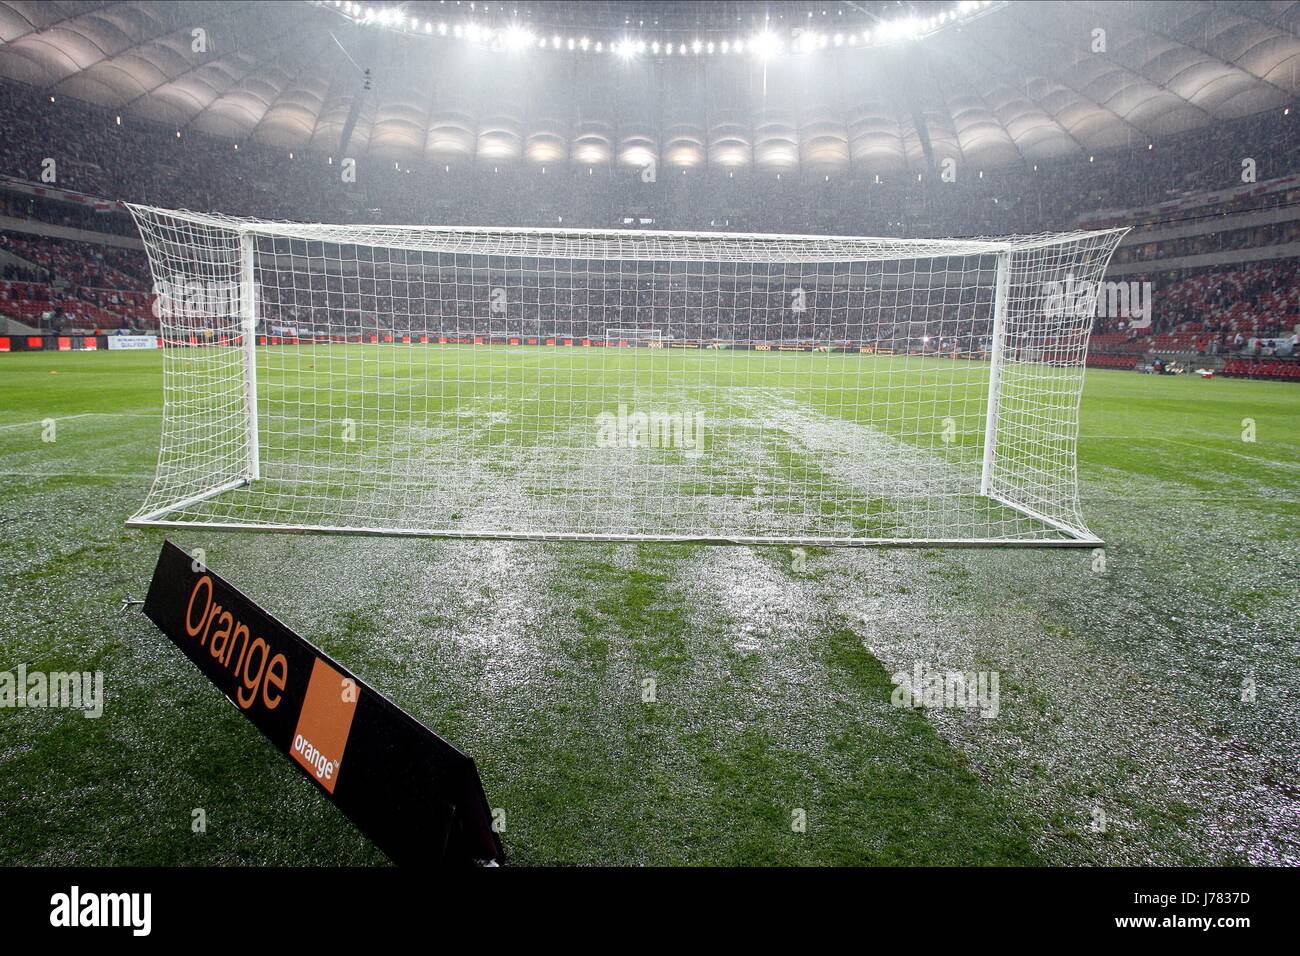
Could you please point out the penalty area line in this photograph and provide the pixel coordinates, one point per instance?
(75, 474)
(1188, 444)
(67, 418)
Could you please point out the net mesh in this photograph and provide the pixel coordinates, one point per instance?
(624, 385)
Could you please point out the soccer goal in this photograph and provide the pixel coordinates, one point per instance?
(649, 338)
(458, 382)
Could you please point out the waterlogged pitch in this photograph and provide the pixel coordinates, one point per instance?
(642, 443)
(662, 703)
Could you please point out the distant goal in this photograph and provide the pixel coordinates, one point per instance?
(650, 338)
(620, 386)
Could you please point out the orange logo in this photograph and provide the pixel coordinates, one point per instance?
(324, 724)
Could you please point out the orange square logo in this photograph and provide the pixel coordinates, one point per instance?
(324, 724)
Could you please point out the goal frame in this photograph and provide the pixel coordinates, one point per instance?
(634, 335)
(251, 470)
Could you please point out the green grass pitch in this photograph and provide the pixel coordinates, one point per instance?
(1148, 704)
(805, 447)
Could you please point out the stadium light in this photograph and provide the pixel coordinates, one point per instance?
(904, 28)
(517, 37)
(764, 44)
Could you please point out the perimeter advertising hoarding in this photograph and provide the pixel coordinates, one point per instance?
(415, 796)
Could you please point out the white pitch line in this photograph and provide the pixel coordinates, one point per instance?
(1188, 444)
(68, 418)
(73, 474)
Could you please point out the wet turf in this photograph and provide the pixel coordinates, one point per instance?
(1121, 687)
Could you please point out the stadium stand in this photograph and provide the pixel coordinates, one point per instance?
(1103, 360)
(1199, 310)
(67, 285)
(1275, 368)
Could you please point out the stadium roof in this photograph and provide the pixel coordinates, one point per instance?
(1024, 81)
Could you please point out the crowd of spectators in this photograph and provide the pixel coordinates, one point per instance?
(1210, 311)
(139, 161)
(773, 304)
(118, 157)
(1210, 243)
(58, 285)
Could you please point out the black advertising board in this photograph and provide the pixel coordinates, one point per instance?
(417, 797)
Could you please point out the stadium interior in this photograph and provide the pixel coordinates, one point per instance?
(1149, 710)
(690, 140)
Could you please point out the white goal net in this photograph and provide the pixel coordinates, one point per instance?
(652, 338)
(573, 385)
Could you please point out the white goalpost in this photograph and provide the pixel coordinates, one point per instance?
(651, 338)
(620, 385)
